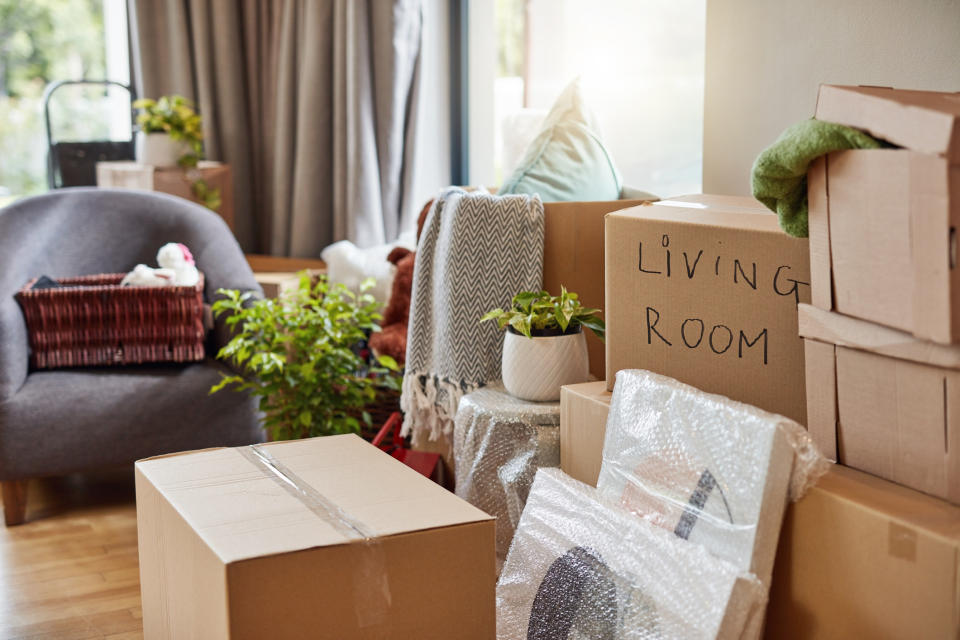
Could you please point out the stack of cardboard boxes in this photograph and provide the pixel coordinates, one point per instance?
(707, 289)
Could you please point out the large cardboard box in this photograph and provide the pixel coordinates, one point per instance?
(705, 290)
(860, 557)
(573, 257)
(172, 180)
(883, 222)
(583, 426)
(883, 401)
(318, 538)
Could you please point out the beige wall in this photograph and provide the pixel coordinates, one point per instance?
(766, 58)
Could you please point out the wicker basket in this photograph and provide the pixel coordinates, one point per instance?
(93, 321)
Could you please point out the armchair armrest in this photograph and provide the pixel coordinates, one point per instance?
(13, 349)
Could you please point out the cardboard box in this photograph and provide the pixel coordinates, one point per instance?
(583, 427)
(863, 558)
(883, 222)
(325, 537)
(705, 290)
(573, 257)
(275, 285)
(172, 180)
(883, 401)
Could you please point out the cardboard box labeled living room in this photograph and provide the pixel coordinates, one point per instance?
(705, 289)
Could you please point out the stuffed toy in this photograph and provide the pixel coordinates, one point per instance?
(144, 276)
(176, 256)
(177, 269)
(392, 339)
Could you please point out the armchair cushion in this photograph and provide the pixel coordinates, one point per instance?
(75, 419)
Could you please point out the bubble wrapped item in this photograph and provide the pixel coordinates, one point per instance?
(499, 442)
(711, 470)
(582, 567)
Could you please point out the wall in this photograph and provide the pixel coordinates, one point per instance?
(765, 60)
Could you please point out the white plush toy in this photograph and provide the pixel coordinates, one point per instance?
(144, 276)
(177, 256)
(177, 268)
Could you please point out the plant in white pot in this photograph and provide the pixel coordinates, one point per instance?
(168, 129)
(544, 347)
(170, 134)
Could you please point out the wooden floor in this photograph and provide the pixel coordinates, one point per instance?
(71, 571)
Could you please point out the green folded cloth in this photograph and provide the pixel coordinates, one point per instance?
(779, 176)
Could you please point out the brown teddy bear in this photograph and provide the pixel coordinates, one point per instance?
(391, 340)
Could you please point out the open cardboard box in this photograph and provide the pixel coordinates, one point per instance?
(883, 401)
(883, 222)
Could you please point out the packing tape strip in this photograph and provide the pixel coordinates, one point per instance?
(370, 585)
(310, 497)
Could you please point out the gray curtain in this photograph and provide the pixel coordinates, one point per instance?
(311, 102)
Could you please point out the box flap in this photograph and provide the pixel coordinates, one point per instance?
(845, 331)
(924, 121)
(732, 212)
(243, 509)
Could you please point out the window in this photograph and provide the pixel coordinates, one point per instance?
(641, 66)
(42, 41)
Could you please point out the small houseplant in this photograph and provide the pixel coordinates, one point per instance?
(544, 347)
(298, 355)
(170, 133)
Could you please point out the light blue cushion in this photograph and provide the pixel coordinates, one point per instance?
(567, 160)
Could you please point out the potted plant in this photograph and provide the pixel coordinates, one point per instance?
(544, 347)
(169, 134)
(299, 356)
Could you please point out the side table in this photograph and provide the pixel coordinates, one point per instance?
(499, 442)
(172, 180)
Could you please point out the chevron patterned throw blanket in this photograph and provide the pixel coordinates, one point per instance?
(476, 251)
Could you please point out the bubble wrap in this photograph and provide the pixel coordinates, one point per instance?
(712, 471)
(499, 442)
(581, 567)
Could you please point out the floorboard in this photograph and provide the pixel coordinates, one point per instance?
(70, 572)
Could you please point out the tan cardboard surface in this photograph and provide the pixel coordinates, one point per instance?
(887, 214)
(231, 502)
(925, 121)
(273, 283)
(882, 222)
(868, 408)
(231, 548)
(863, 558)
(706, 292)
(583, 426)
(842, 330)
(573, 257)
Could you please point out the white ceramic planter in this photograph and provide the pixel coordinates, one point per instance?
(535, 368)
(159, 149)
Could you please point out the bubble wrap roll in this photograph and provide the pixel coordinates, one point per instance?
(581, 567)
(711, 470)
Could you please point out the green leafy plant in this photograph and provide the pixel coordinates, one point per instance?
(539, 312)
(174, 115)
(298, 356)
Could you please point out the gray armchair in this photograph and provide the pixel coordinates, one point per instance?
(54, 422)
